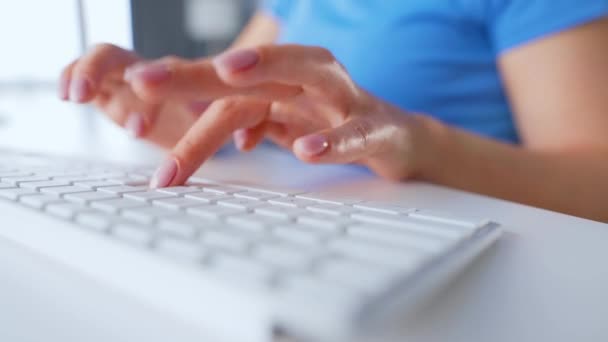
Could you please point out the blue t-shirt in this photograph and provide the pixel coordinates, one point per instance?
(432, 56)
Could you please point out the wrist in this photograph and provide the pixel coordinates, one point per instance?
(428, 136)
(413, 148)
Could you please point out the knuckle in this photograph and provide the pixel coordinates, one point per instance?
(228, 106)
(103, 48)
(325, 55)
(68, 68)
(171, 60)
(362, 132)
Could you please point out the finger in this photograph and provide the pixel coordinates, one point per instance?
(246, 139)
(123, 107)
(206, 136)
(64, 81)
(89, 72)
(288, 64)
(354, 140)
(193, 81)
(197, 108)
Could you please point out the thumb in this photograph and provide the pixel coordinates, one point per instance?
(357, 138)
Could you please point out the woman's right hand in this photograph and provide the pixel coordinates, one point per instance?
(98, 78)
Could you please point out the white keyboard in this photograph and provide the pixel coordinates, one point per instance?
(289, 245)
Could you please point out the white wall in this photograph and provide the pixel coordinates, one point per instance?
(38, 37)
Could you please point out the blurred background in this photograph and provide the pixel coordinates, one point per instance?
(40, 37)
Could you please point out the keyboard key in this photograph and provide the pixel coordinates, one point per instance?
(177, 203)
(182, 227)
(221, 189)
(44, 184)
(21, 179)
(95, 184)
(331, 209)
(215, 212)
(130, 181)
(146, 214)
(253, 222)
(449, 219)
(9, 174)
(15, 193)
(380, 218)
(146, 196)
(398, 237)
(106, 175)
(123, 189)
(253, 195)
(132, 233)
(207, 197)
(292, 202)
(7, 186)
(278, 192)
(179, 190)
(39, 201)
(97, 221)
(325, 198)
(225, 241)
(298, 234)
(430, 228)
(63, 190)
(116, 205)
(384, 208)
(324, 221)
(240, 203)
(64, 210)
(287, 213)
(88, 197)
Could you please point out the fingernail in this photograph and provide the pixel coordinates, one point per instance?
(79, 90)
(135, 125)
(153, 73)
(240, 138)
(312, 145)
(239, 60)
(63, 92)
(164, 174)
(127, 76)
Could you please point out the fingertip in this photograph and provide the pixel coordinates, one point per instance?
(147, 80)
(240, 139)
(234, 61)
(80, 90)
(135, 125)
(310, 146)
(165, 174)
(150, 73)
(63, 88)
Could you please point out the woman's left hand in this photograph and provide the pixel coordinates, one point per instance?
(301, 98)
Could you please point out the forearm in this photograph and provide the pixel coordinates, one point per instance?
(573, 180)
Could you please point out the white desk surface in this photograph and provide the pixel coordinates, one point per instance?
(546, 279)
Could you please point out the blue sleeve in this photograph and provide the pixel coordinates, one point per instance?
(515, 22)
(277, 8)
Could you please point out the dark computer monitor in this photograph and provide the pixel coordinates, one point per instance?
(160, 27)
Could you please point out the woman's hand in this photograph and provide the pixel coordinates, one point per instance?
(98, 78)
(298, 96)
